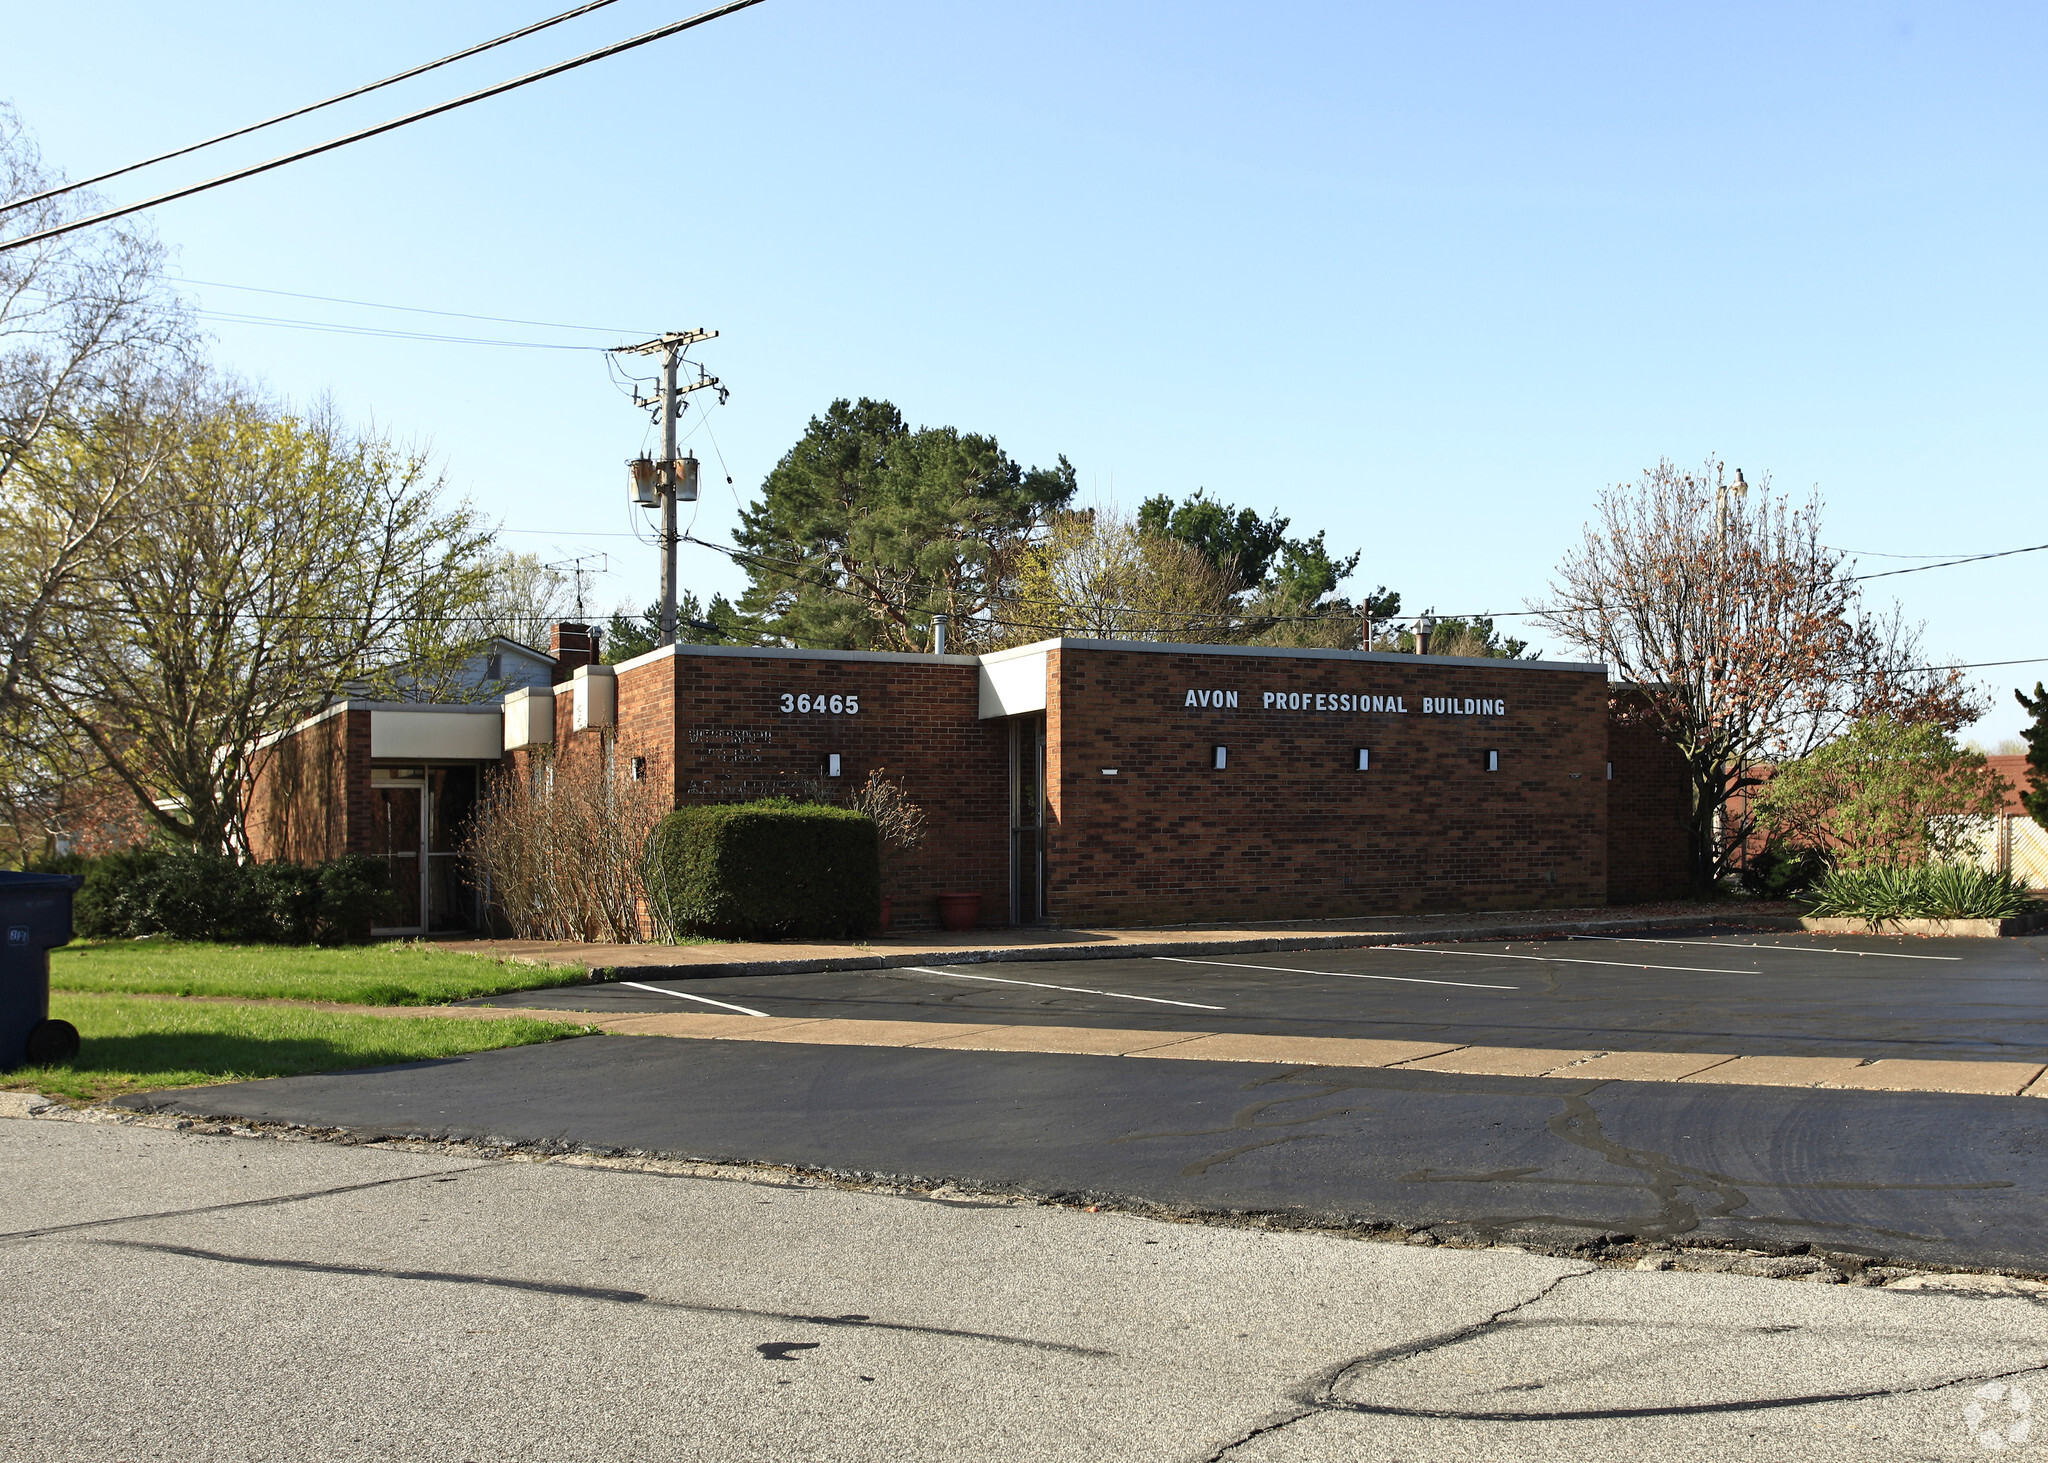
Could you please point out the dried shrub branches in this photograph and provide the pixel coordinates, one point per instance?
(898, 820)
(560, 848)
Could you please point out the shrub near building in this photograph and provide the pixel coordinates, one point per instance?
(193, 895)
(766, 869)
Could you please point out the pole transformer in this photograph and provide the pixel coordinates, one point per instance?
(669, 356)
(670, 480)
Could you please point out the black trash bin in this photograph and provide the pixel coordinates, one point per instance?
(35, 918)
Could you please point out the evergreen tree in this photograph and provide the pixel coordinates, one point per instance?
(626, 636)
(2035, 800)
(867, 528)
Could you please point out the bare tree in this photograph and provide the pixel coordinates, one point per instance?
(525, 599)
(1738, 635)
(284, 559)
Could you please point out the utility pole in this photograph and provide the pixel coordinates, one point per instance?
(670, 480)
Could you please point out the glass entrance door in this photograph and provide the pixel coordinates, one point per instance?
(1027, 819)
(450, 899)
(398, 813)
(418, 818)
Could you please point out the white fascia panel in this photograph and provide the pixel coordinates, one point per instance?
(1013, 685)
(437, 736)
(529, 718)
(594, 702)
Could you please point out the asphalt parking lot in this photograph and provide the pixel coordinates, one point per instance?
(1913, 1177)
(1769, 994)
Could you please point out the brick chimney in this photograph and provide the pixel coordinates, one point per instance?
(572, 645)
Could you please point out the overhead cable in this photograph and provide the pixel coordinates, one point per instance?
(602, 53)
(164, 157)
(385, 333)
(1950, 563)
(216, 284)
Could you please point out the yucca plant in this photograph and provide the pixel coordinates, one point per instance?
(1920, 891)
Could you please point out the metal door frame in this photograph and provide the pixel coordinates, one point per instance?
(1027, 739)
(389, 777)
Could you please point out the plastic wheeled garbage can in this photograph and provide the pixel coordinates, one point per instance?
(35, 918)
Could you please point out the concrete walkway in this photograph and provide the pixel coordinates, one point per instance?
(1893, 1074)
(1052, 943)
(1990, 1079)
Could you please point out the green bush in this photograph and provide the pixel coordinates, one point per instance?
(1782, 870)
(111, 905)
(1920, 891)
(355, 894)
(194, 895)
(765, 870)
(280, 902)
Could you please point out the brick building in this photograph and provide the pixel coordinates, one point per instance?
(1081, 781)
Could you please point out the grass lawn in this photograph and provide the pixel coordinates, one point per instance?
(396, 974)
(133, 1043)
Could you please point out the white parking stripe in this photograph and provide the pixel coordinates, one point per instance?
(686, 996)
(1346, 974)
(1075, 989)
(1753, 945)
(1558, 960)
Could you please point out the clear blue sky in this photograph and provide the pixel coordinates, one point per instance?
(1423, 276)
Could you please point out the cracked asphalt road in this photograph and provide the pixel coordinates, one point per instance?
(185, 1297)
(1917, 1178)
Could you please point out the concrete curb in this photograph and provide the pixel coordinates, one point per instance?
(1983, 929)
(1220, 945)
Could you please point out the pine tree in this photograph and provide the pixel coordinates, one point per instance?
(2036, 800)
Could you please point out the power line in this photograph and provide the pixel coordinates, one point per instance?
(379, 332)
(600, 54)
(413, 309)
(1949, 563)
(162, 157)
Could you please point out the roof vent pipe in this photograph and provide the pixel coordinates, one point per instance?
(938, 634)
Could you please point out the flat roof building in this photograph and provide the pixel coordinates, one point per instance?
(1081, 781)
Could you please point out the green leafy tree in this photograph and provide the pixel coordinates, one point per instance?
(1098, 575)
(1884, 793)
(282, 560)
(2035, 799)
(867, 528)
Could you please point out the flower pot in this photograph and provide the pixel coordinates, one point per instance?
(888, 908)
(959, 911)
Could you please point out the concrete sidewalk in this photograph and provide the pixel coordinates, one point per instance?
(612, 962)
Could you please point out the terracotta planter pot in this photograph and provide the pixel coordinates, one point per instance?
(888, 908)
(959, 911)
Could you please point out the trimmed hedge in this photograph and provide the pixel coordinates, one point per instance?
(765, 870)
(191, 895)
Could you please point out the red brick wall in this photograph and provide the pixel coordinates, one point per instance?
(310, 799)
(2014, 771)
(713, 725)
(1649, 803)
(1289, 829)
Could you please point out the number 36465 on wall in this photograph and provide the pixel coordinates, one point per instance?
(821, 705)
